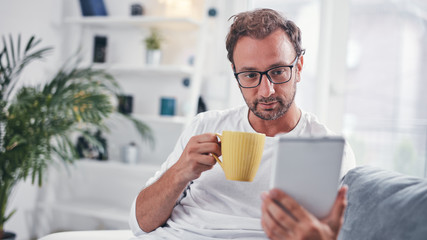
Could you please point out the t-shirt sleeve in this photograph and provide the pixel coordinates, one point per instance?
(133, 222)
(348, 161)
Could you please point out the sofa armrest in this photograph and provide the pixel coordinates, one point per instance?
(384, 204)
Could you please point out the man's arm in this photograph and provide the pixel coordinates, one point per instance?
(297, 223)
(155, 203)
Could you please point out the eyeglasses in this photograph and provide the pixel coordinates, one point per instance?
(276, 75)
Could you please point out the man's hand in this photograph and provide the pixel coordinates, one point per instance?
(298, 223)
(155, 203)
(196, 157)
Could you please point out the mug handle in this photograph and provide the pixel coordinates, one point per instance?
(215, 156)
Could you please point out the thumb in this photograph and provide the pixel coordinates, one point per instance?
(336, 216)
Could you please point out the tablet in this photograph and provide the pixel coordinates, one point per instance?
(308, 169)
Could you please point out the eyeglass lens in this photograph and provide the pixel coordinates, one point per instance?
(276, 75)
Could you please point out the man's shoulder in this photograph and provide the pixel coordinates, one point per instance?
(313, 127)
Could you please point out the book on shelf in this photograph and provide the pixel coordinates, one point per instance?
(93, 8)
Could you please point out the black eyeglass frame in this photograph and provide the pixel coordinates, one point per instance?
(266, 73)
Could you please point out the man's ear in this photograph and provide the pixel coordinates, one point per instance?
(299, 66)
(300, 63)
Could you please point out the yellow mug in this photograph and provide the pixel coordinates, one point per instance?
(241, 154)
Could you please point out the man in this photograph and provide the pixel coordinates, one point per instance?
(189, 198)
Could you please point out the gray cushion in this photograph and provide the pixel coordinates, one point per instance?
(384, 204)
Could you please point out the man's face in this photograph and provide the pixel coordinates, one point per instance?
(268, 101)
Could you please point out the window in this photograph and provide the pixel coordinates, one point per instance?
(385, 114)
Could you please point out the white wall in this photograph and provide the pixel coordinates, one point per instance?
(41, 18)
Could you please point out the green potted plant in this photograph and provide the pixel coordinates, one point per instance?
(152, 46)
(36, 122)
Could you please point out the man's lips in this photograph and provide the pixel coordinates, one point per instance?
(267, 105)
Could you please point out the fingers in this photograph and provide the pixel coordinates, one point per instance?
(196, 157)
(289, 205)
(202, 165)
(208, 144)
(336, 216)
(204, 145)
(282, 217)
(272, 229)
(206, 137)
(275, 222)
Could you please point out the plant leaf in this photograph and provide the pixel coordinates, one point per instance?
(12, 49)
(9, 215)
(6, 52)
(19, 47)
(29, 44)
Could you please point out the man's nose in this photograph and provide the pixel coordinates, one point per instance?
(265, 88)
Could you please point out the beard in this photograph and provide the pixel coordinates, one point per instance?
(272, 114)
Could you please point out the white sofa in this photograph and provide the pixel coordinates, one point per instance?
(381, 205)
(90, 235)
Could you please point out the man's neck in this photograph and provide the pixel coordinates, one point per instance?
(284, 124)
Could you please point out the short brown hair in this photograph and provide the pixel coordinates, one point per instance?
(258, 24)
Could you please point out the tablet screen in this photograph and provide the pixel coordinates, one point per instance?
(307, 169)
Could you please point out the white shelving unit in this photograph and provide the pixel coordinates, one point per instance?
(162, 119)
(165, 70)
(124, 69)
(183, 55)
(143, 21)
(103, 191)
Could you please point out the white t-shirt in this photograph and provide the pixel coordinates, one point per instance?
(212, 207)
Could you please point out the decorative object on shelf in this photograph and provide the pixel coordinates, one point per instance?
(8, 236)
(130, 153)
(93, 8)
(136, 9)
(99, 49)
(152, 46)
(201, 105)
(191, 60)
(167, 106)
(212, 12)
(125, 104)
(83, 148)
(102, 151)
(92, 150)
(186, 82)
(36, 122)
(153, 56)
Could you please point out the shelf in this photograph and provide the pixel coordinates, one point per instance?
(116, 165)
(115, 21)
(161, 119)
(146, 69)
